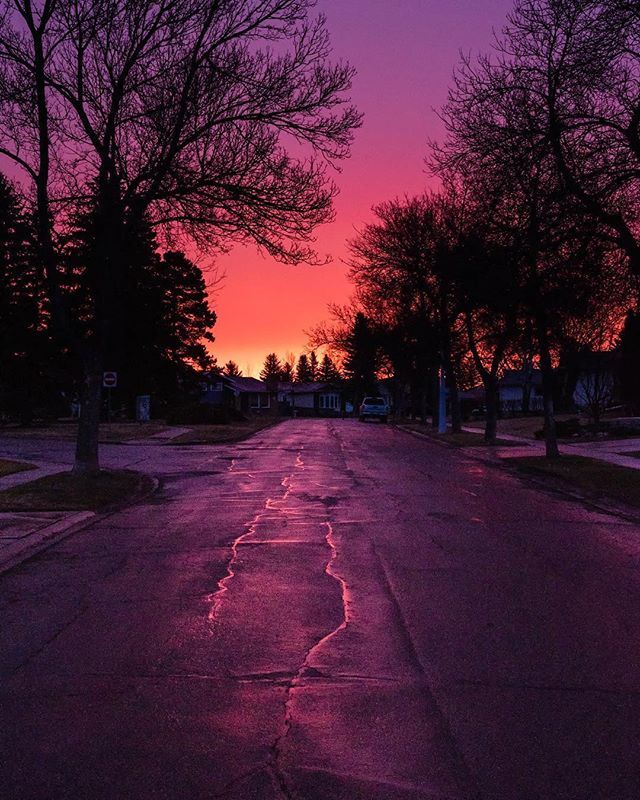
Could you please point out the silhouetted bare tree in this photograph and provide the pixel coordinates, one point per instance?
(401, 264)
(179, 111)
(580, 60)
(497, 146)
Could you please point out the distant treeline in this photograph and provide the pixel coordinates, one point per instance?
(530, 252)
(161, 319)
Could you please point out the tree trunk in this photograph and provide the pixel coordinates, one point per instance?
(108, 265)
(424, 402)
(398, 398)
(435, 399)
(550, 438)
(86, 461)
(491, 403)
(454, 400)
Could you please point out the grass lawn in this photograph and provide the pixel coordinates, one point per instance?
(463, 439)
(109, 432)
(231, 432)
(67, 492)
(9, 467)
(589, 475)
(518, 426)
(114, 432)
(123, 431)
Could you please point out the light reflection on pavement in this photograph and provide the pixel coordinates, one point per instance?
(328, 610)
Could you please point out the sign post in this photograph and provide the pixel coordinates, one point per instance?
(442, 403)
(109, 382)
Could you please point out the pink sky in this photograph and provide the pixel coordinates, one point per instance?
(404, 52)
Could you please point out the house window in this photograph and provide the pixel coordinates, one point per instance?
(330, 402)
(259, 401)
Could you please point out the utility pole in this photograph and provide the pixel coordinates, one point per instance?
(442, 402)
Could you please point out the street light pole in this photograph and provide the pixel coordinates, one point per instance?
(442, 402)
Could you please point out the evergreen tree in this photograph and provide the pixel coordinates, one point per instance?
(361, 362)
(314, 370)
(232, 370)
(288, 374)
(328, 370)
(303, 370)
(27, 363)
(157, 338)
(271, 371)
(629, 348)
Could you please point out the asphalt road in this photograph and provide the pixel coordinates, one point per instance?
(328, 611)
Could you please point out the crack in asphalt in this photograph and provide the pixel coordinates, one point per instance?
(83, 607)
(234, 782)
(223, 584)
(273, 767)
(551, 687)
(306, 670)
(411, 647)
(80, 611)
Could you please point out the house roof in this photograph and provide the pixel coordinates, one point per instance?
(310, 387)
(248, 384)
(520, 377)
(593, 361)
(476, 393)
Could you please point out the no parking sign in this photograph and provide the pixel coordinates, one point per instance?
(109, 380)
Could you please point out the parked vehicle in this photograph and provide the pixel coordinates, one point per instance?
(373, 408)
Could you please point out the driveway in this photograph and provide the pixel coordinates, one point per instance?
(328, 611)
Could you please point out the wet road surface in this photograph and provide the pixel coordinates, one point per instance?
(327, 611)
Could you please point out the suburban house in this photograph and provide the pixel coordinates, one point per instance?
(217, 390)
(315, 398)
(596, 383)
(308, 399)
(520, 390)
(248, 395)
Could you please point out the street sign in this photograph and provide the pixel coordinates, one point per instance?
(143, 408)
(109, 380)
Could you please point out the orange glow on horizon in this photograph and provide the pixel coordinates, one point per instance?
(404, 58)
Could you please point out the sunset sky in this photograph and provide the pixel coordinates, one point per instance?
(404, 52)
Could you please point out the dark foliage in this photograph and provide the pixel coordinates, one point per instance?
(31, 373)
(203, 414)
(271, 371)
(362, 358)
(629, 366)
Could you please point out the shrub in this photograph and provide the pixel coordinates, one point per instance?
(565, 429)
(202, 414)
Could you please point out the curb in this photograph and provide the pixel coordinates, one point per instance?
(544, 482)
(232, 440)
(46, 537)
(428, 437)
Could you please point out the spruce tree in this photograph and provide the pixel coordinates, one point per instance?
(271, 371)
(157, 338)
(629, 348)
(361, 362)
(328, 371)
(232, 370)
(288, 373)
(27, 363)
(303, 370)
(314, 369)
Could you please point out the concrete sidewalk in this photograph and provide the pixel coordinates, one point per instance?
(159, 438)
(613, 451)
(24, 533)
